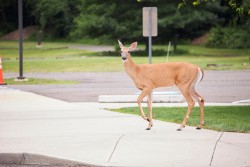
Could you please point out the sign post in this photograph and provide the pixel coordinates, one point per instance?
(149, 22)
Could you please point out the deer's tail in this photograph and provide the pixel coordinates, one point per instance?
(200, 75)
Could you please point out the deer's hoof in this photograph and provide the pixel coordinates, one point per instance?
(198, 128)
(179, 129)
(148, 129)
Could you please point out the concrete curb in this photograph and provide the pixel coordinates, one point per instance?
(35, 159)
(184, 104)
(133, 99)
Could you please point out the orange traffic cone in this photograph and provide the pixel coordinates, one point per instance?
(1, 73)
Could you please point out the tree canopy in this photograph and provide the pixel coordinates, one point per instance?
(242, 7)
(111, 19)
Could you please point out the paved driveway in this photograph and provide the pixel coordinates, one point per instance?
(217, 86)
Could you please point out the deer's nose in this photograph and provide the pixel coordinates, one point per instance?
(124, 56)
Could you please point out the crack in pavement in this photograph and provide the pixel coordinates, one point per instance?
(116, 146)
(215, 149)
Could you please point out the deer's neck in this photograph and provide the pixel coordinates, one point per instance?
(131, 68)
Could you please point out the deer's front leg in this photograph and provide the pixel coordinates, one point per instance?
(144, 92)
(150, 124)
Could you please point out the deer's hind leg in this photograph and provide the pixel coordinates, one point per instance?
(201, 101)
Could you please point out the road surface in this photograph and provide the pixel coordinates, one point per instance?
(217, 86)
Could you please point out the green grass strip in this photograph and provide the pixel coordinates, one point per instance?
(219, 118)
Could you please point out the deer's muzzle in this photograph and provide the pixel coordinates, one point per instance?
(124, 56)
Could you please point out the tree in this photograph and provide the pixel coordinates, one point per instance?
(55, 16)
(112, 20)
(187, 23)
(242, 7)
(7, 20)
(108, 20)
(234, 30)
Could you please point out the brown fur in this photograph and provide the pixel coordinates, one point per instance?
(150, 76)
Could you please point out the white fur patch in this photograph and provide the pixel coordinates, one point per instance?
(124, 60)
(199, 76)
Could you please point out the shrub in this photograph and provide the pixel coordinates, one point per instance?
(229, 37)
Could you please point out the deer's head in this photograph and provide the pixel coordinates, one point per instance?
(125, 52)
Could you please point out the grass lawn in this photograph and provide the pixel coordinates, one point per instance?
(228, 118)
(57, 57)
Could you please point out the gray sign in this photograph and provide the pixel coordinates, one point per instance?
(149, 21)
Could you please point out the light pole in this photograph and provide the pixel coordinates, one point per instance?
(20, 27)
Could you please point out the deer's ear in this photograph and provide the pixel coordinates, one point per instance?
(120, 44)
(133, 46)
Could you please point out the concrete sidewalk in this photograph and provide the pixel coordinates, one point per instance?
(86, 133)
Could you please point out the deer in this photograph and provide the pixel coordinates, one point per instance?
(147, 77)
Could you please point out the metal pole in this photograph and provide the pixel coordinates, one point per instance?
(20, 27)
(150, 35)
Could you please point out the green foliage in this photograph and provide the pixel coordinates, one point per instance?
(188, 22)
(241, 7)
(96, 21)
(108, 20)
(229, 37)
(55, 17)
(8, 13)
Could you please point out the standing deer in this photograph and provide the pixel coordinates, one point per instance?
(147, 77)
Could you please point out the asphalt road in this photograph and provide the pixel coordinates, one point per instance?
(217, 86)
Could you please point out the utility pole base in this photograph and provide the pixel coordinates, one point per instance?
(21, 79)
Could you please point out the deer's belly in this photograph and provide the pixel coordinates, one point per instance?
(152, 85)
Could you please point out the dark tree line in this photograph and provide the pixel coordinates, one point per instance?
(111, 19)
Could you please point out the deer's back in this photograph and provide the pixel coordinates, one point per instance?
(164, 74)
